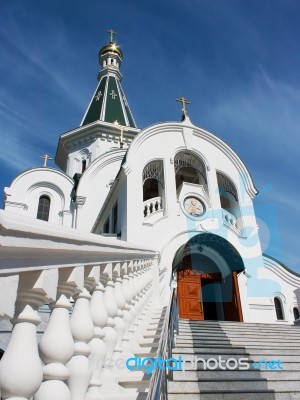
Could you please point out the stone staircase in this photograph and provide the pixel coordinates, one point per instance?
(233, 340)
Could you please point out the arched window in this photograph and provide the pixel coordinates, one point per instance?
(43, 208)
(153, 188)
(278, 308)
(189, 168)
(296, 313)
(228, 195)
(153, 180)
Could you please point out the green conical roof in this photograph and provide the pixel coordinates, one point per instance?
(109, 102)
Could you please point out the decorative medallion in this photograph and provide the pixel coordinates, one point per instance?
(194, 206)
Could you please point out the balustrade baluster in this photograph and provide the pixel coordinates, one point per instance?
(21, 370)
(82, 328)
(109, 382)
(57, 345)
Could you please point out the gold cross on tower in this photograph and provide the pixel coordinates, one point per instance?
(112, 33)
(45, 157)
(122, 129)
(184, 101)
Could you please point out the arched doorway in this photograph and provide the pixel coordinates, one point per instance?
(206, 268)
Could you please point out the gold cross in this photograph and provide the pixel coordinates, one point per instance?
(112, 33)
(184, 101)
(45, 157)
(122, 129)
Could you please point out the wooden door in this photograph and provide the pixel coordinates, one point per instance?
(233, 308)
(189, 295)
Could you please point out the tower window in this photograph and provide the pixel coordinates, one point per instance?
(115, 218)
(106, 226)
(296, 313)
(190, 169)
(83, 165)
(43, 208)
(278, 308)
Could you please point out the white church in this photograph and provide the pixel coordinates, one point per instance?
(141, 243)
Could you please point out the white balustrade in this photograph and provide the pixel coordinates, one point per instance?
(82, 329)
(21, 370)
(152, 205)
(230, 220)
(57, 345)
(97, 346)
(110, 303)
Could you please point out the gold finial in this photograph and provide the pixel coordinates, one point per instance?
(45, 157)
(184, 101)
(112, 33)
(122, 129)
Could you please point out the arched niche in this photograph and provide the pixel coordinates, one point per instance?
(153, 187)
(229, 197)
(189, 168)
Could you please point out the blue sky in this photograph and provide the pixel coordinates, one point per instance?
(237, 61)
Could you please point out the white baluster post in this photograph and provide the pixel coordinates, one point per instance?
(21, 371)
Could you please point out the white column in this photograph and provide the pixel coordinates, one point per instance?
(128, 317)
(21, 371)
(97, 346)
(82, 329)
(120, 300)
(57, 344)
(109, 383)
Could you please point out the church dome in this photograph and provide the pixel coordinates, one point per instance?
(111, 47)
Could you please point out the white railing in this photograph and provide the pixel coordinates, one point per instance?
(229, 219)
(99, 293)
(152, 205)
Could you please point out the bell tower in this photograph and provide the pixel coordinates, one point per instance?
(109, 103)
(107, 124)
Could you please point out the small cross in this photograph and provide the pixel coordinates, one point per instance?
(45, 157)
(112, 33)
(98, 95)
(113, 94)
(122, 129)
(184, 101)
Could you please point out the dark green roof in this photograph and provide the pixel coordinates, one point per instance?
(109, 103)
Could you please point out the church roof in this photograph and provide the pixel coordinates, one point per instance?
(109, 103)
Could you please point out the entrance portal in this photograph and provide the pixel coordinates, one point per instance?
(202, 296)
(206, 268)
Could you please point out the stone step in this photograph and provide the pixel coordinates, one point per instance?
(151, 336)
(234, 324)
(288, 366)
(195, 331)
(218, 345)
(235, 350)
(149, 344)
(216, 375)
(235, 338)
(239, 342)
(253, 357)
(233, 386)
(264, 395)
(209, 332)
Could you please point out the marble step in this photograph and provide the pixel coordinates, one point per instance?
(253, 356)
(233, 323)
(235, 350)
(236, 332)
(233, 386)
(216, 375)
(263, 395)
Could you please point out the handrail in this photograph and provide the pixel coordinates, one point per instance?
(158, 383)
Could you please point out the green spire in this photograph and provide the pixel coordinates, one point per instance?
(109, 102)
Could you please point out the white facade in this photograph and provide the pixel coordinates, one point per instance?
(108, 198)
(128, 207)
